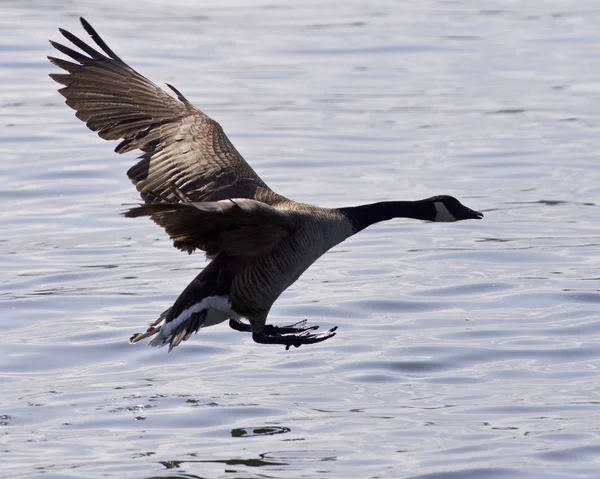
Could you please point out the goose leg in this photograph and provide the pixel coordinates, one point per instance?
(239, 326)
(293, 339)
(272, 330)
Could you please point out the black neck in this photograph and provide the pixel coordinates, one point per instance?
(366, 215)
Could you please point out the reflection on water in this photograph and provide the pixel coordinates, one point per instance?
(258, 431)
(464, 350)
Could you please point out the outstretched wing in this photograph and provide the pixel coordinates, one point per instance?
(181, 146)
(236, 227)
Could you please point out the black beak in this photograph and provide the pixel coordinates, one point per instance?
(469, 214)
(472, 214)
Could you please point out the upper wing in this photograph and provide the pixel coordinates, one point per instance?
(181, 145)
(236, 227)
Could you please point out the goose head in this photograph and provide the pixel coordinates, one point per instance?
(447, 209)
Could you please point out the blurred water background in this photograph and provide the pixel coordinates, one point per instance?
(466, 350)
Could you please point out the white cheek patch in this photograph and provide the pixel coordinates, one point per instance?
(442, 213)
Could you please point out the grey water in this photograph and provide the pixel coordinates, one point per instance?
(467, 350)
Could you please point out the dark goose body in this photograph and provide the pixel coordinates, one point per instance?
(196, 185)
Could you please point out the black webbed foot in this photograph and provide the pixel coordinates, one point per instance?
(299, 327)
(294, 339)
(272, 330)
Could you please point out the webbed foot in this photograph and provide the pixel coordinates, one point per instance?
(272, 330)
(292, 338)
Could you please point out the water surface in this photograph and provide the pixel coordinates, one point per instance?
(465, 350)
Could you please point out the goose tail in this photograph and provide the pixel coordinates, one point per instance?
(204, 302)
(172, 332)
(152, 329)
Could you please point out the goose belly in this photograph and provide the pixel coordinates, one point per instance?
(257, 288)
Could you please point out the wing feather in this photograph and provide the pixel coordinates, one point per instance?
(236, 227)
(181, 145)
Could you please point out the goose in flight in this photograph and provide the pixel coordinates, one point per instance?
(200, 190)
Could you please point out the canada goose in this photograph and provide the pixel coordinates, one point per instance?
(196, 185)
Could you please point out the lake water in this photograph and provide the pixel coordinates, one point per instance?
(465, 351)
